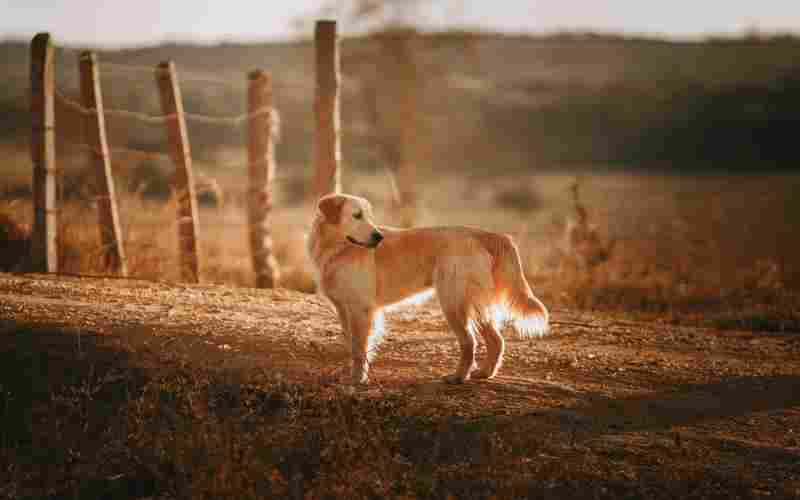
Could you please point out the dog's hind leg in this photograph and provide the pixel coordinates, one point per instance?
(453, 284)
(467, 344)
(495, 348)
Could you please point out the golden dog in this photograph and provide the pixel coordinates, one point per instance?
(477, 275)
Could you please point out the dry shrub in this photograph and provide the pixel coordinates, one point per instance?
(15, 183)
(677, 249)
(290, 252)
(15, 243)
(522, 196)
(632, 281)
(585, 247)
(150, 178)
(292, 189)
(634, 244)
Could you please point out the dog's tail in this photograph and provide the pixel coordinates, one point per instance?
(526, 313)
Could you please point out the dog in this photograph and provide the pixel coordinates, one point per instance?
(477, 275)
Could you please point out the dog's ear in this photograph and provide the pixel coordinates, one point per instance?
(331, 208)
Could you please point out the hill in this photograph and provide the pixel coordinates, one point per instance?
(515, 103)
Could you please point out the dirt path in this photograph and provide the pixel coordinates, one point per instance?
(679, 394)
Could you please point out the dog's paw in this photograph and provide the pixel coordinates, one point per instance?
(483, 374)
(352, 389)
(454, 379)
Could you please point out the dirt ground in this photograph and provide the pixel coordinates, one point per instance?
(641, 394)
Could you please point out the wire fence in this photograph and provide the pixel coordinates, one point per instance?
(72, 105)
(101, 152)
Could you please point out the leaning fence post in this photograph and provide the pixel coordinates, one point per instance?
(172, 107)
(44, 240)
(327, 177)
(95, 133)
(262, 134)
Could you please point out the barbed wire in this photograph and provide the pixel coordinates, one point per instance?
(142, 117)
(184, 76)
(133, 68)
(119, 150)
(83, 110)
(73, 105)
(237, 120)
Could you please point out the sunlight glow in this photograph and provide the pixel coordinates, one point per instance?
(378, 333)
(525, 323)
(103, 23)
(412, 301)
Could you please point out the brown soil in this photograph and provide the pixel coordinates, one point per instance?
(645, 394)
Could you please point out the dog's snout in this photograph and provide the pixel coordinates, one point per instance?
(377, 237)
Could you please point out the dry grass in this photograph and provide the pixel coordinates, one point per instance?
(120, 421)
(714, 249)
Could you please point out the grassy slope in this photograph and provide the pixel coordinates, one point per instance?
(512, 101)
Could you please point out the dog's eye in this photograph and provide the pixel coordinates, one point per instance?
(358, 215)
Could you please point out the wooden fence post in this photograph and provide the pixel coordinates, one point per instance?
(172, 107)
(262, 134)
(44, 240)
(95, 133)
(408, 98)
(327, 176)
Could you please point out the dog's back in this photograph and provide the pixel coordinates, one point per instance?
(411, 260)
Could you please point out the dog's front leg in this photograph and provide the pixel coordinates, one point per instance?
(344, 321)
(360, 322)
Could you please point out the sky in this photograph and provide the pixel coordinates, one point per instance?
(146, 22)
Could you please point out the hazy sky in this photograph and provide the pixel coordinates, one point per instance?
(103, 22)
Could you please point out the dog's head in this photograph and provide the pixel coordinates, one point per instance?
(351, 219)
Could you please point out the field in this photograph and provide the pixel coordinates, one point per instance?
(716, 250)
(651, 187)
(139, 389)
(671, 370)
